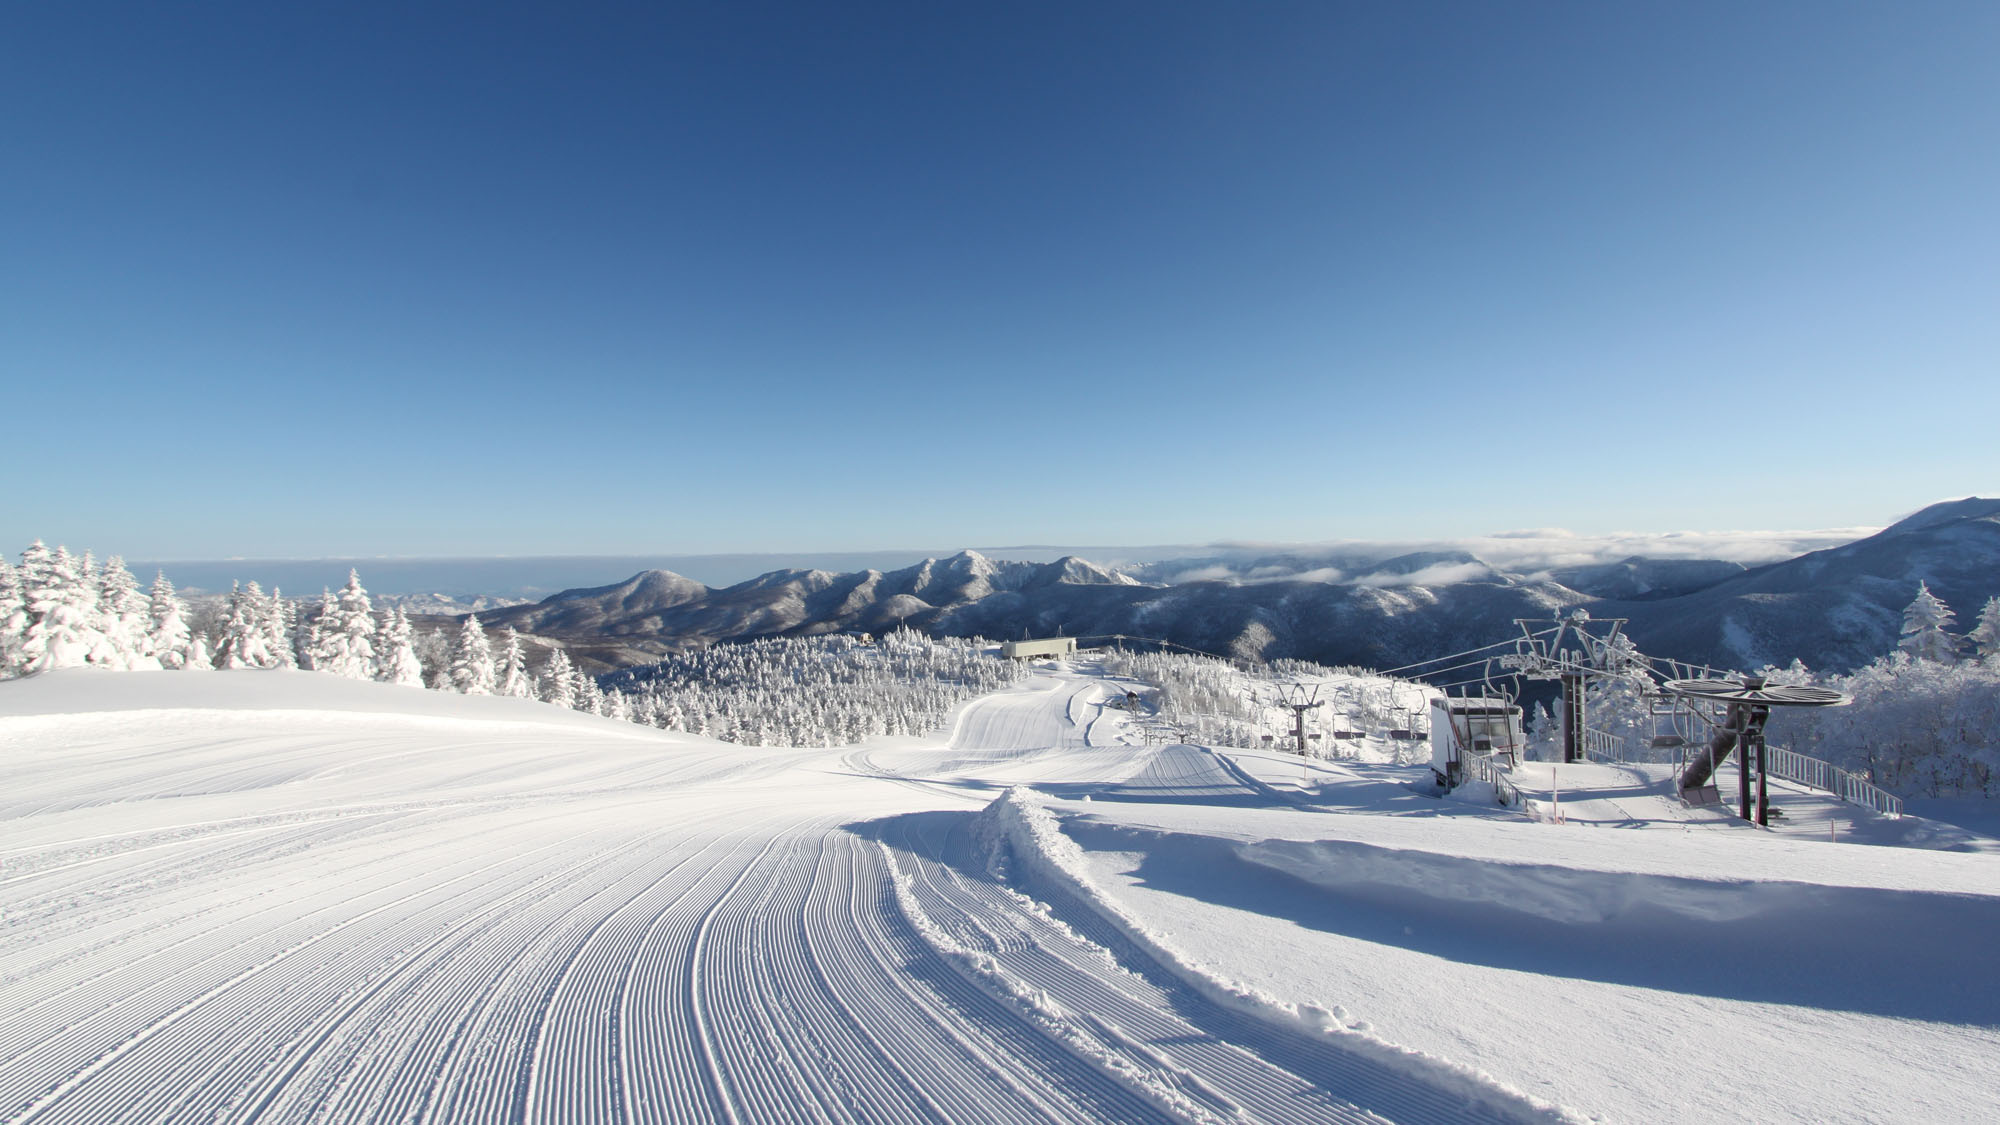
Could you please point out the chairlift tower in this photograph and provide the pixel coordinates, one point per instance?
(1300, 698)
(1575, 650)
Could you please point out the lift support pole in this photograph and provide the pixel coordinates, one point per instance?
(1299, 722)
(1572, 708)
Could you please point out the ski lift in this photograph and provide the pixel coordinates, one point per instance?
(1736, 711)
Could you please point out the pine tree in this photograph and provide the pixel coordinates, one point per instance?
(317, 652)
(397, 651)
(127, 618)
(243, 644)
(1985, 635)
(472, 660)
(589, 696)
(199, 658)
(559, 680)
(60, 629)
(1544, 735)
(514, 680)
(1925, 620)
(349, 640)
(434, 654)
(280, 622)
(167, 634)
(13, 619)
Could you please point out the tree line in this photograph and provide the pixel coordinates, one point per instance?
(59, 610)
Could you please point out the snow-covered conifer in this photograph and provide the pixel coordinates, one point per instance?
(396, 651)
(559, 680)
(243, 643)
(349, 641)
(514, 680)
(472, 660)
(280, 623)
(199, 659)
(1985, 635)
(167, 633)
(1544, 735)
(434, 652)
(589, 696)
(126, 617)
(13, 618)
(60, 630)
(317, 651)
(1925, 620)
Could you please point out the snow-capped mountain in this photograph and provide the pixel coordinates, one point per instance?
(446, 605)
(1835, 609)
(659, 611)
(968, 594)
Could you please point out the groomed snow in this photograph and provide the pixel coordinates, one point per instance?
(282, 896)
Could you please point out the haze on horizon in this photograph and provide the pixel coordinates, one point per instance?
(317, 280)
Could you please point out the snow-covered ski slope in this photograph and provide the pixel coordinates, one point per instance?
(288, 897)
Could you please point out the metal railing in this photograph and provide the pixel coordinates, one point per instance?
(1484, 768)
(1604, 747)
(1793, 766)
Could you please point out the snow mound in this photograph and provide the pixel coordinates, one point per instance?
(1021, 839)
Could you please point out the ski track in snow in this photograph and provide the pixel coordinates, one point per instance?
(294, 916)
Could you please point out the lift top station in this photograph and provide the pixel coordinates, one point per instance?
(1737, 710)
(1046, 646)
(1479, 727)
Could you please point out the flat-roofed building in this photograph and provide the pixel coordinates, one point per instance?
(1050, 646)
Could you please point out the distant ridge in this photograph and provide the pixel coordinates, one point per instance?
(1835, 609)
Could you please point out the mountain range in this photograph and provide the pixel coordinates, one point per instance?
(1835, 609)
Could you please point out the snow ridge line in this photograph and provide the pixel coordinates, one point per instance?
(1161, 1086)
(1035, 837)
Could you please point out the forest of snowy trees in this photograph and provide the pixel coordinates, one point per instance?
(59, 610)
(814, 691)
(1215, 702)
(1925, 719)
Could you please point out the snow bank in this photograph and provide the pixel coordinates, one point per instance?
(1017, 831)
(1092, 1041)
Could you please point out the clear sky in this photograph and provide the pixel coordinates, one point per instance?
(312, 279)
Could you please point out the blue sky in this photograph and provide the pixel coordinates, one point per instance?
(346, 279)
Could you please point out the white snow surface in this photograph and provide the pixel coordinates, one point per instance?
(281, 896)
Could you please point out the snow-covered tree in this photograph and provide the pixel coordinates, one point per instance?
(199, 659)
(348, 642)
(243, 643)
(280, 625)
(1544, 734)
(1915, 727)
(167, 632)
(1925, 620)
(396, 651)
(434, 651)
(515, 682)
(1985, 635)
(61, 613)
(559, 680)
(126, 617)
(317, 651)
(472, 660)
(589, 696)
(13, 618)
